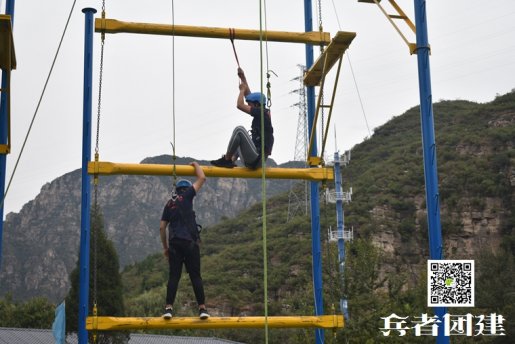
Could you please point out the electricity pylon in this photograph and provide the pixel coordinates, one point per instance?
(298, 197)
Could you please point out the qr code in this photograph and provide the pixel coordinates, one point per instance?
(450, 283)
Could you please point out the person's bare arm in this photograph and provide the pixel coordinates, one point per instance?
(243, 79)
(201, 177)
(241, 105)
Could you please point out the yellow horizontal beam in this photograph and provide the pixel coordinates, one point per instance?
(104, 323)
(117, 26)
(108, 168)
(7, 55)
(328, 58)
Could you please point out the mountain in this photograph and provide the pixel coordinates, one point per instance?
(476, 169)
(476, 175)
(385, 266)
(41, 242)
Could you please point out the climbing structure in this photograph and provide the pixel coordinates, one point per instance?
(316, 173)
(422, 50)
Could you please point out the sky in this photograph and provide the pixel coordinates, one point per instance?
(148, 81)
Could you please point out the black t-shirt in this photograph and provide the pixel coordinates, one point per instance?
(255, 112)
(180, 216)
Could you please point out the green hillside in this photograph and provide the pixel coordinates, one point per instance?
(385, 265)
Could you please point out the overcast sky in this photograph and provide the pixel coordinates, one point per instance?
(472, 58)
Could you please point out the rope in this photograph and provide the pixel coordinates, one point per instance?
(353, 76)
(322, 112)
(174, 157)
(37, 107)
(263, 166)
(232, 34)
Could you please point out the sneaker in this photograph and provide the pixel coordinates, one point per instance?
(222, 162)
(168, 313)
(203, 314)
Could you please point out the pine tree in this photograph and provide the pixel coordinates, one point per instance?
(105, 269)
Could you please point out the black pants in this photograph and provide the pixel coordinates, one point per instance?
(187, 252)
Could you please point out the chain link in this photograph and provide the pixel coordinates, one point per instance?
(100, 77)
(95, 178)
(320, 27)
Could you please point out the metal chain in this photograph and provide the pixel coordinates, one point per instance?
(320, 27)
(100, 82)
(95, 179)
(99, 95)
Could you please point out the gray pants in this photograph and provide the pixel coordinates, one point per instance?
(241, 145)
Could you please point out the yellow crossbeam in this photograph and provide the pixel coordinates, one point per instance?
(108, 168)
(117, 26)
(104, 323)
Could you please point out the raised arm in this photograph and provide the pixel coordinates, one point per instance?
(244, 90)
(201, 177)
(243, 79)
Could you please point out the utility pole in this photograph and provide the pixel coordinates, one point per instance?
(298, 196)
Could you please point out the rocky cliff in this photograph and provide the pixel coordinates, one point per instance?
(476, 159)
(41, 242)
(476, 167)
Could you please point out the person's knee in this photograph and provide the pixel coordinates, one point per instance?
(239, 129)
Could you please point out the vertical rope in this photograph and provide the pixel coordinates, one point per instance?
(4, 196)
(322, 113)
(174, 157)
(347, 54)
(263, 179)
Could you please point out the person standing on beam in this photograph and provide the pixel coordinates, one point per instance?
(183, 243)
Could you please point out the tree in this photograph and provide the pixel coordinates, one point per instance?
(37, 312)
(108, 292)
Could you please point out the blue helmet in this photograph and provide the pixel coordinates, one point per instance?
(256, 97)
(182, 183)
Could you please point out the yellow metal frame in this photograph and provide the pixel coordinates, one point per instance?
(334, 51)
(117, 26)
(109, 168)
(315, 76)
(400, 15)
(7, 63)
(105, 323)
(7, 54)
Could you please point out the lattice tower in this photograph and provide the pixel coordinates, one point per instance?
(298, 197)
